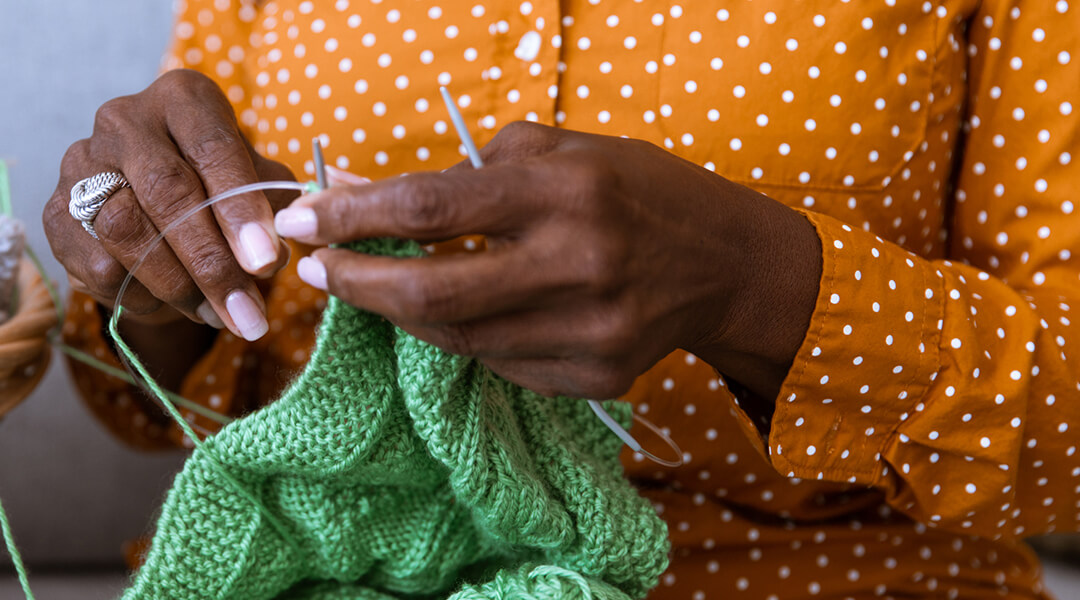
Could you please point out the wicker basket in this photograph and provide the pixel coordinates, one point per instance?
(24, 345)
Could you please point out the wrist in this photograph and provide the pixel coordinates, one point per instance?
(774, 287)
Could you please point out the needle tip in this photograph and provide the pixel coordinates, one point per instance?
(320, 163)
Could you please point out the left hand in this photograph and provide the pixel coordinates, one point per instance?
(603, 256)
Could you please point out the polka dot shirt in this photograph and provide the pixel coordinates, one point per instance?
(929, 420)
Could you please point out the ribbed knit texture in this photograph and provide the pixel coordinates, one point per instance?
(391, 468)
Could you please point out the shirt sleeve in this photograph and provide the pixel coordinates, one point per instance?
(952, 385)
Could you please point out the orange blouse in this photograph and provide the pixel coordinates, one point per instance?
(929, 420)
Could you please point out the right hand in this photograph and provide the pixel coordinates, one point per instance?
(177, 143)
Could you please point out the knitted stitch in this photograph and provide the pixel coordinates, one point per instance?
(390, 468)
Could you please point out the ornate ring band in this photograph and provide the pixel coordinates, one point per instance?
(90, 194)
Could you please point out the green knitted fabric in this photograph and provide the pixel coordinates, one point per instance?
(392, 469)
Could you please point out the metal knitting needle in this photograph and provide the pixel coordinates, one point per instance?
(320, 163)
(462, 131)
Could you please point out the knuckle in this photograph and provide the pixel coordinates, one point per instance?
(425, 301)
(598, 269)
(214, 147)
(418, 208)
(594, 178)
(55, 213)
(521, 137)
(74, 156)
(105, 276)
(342, 281)
(120, 223)
(164, 185)
(517, 129)
(114, 115)
(183, 293)
(186, 82)
(210, 265)
(335, 216)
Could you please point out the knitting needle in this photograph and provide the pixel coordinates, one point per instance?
(462, 131)
(597, 408)
(320, 163)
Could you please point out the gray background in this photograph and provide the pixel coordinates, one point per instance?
(73, 493)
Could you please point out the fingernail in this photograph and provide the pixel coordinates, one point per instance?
(246, 315)
(336, 175)
(296, 222)
(259, 249)
(312, 271)
(207, 314)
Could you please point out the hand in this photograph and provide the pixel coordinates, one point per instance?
(177, 143)
(603, 256)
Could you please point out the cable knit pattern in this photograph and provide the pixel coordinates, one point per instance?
(391, 467)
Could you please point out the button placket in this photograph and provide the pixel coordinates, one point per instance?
(527, 64)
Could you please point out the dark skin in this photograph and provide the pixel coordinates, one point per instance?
(177, 142)
(604, 255)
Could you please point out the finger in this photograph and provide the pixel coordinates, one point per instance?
(550, 377)
(559, 329)
(167, 188)
(436, 289)
(545, 376)
(496, 200)
(528, 334)
(83, 257)
(137, 299)
(215, 149)
(127, 233)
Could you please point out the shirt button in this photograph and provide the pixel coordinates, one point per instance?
(528, 47)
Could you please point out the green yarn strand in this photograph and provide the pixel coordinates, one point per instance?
(5, 191)
(13, 551)
(163, 396)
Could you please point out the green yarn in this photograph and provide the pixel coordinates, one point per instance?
(392, 469)
(5, 527)
(5, 191)
(13, 550)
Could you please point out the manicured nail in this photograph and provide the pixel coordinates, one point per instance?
(343, 177)
(247, 316)
(207, 314)
(296, 222)
(259, 249)
(312, 271)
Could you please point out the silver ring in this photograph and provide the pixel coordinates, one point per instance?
(90, 194)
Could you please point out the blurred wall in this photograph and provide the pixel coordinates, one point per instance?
(73, 494)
